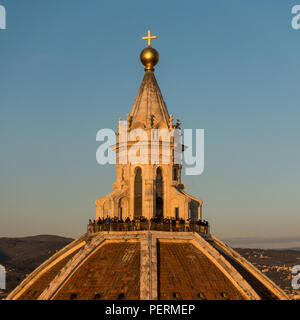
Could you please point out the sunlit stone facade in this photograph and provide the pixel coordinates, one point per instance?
(145, 187)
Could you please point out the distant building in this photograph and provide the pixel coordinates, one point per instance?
(156, 246)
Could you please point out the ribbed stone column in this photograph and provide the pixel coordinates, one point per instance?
(148, 280)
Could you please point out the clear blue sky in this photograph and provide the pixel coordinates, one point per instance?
(70, 68)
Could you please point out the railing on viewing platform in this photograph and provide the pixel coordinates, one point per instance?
(173, 226)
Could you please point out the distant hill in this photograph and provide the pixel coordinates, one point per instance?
(21, 256)
(276, 264)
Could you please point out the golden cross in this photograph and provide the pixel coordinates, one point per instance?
(149, 38)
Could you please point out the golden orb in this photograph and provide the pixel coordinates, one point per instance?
(149, 58)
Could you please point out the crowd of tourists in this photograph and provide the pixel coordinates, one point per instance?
(141, 222)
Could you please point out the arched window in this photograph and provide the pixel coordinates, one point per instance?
(159, 194)
(177, 213)
(193, 210)
(122, 208)
(175, 173)
(138, 192)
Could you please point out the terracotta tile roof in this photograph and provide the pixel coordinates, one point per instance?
(184, 272)
(112, 272)
(38, 286)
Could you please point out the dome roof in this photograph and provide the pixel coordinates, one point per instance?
(146, 265)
